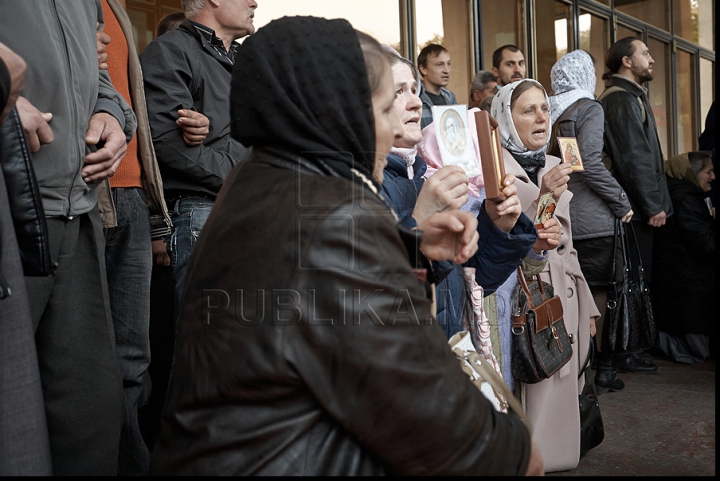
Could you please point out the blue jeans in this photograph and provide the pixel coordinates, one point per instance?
(128, 259)
(188, 216)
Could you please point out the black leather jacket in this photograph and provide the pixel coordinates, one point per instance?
(307, 345)
(634, 147)
(24, 198)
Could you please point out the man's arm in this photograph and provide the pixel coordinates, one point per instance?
(168, 79)
(12, 79)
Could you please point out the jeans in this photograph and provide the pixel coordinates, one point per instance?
(128, 259)
(188, 216)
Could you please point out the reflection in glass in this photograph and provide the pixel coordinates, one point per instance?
(500, 26)
(693, 21)
(594, 39)
(378, 18)
(552, 43)
(707, 90)
(654, 12)
(659, 93)
(684, 82)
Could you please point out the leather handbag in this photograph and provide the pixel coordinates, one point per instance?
(485, 378)
(629, 324)
(592, 430)
(540, 342)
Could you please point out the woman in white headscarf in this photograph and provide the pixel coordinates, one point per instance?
(597, 198)
(522, 112)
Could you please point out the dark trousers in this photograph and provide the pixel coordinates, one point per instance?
(24, 448)
(128, 258)
(79, 369)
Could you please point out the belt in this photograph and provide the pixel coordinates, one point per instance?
(172, 197)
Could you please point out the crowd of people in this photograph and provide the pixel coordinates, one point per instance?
(322, 250)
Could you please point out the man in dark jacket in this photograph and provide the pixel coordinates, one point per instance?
(189, 69)
(631, 142)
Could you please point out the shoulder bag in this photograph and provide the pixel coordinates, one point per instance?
(629, 324)
(540, 341)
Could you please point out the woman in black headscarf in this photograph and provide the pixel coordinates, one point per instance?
(306, 344)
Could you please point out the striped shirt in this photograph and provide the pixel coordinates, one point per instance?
(214, 41)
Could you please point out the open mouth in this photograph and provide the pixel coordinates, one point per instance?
(413, 121)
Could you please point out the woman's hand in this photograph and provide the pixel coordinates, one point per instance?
(627, 217)
(555, 180)
(444, 191)
(449, 236)
(593, 328)
(548, 236)
(505, 210)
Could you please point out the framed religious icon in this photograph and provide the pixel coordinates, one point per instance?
(454, 141)
(493, 167)
(545, 209)
(570, 153)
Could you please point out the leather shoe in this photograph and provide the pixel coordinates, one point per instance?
(632, 364)
(609, 380)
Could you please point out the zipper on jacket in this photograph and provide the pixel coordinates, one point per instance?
(73, 107)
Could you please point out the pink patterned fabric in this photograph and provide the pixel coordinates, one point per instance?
(477, 323)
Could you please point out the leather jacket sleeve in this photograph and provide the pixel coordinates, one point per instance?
(412, 407)
(634, 160)
(500, 253)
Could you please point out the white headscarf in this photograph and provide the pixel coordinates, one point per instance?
(501, 111)
(572, 78)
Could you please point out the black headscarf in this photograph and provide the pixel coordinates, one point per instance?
(300, 85)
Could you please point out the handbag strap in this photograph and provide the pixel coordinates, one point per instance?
(523, 284)
(588, 359)
(497, 383)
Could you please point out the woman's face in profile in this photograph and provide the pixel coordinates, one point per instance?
(408, 106)
(388, 128)
(531, 117)
(705, 176)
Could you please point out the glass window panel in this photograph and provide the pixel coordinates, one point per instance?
(447, 23)
(654, 12)
(659, 93)
(500, 26)
(684, 87)
(143, 23)
(693, 20)
(378, 18)
(707, 90)
(552, 43)
(595, 40)
(625, 31)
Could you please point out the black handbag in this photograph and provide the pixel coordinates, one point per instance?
(540, 341)
(629, 324)
(592, 430)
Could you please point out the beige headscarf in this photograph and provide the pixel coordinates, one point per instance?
(678, 167)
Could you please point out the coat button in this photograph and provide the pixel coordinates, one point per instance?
(570, 292)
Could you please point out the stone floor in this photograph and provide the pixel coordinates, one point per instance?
(661, 424)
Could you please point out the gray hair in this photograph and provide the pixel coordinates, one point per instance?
(698, 160)
(480, 82)
(192, 7)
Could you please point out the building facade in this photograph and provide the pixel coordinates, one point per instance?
(679, 33)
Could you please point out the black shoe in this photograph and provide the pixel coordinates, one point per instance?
(644, 357)
(609, 380)
(632, 364)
